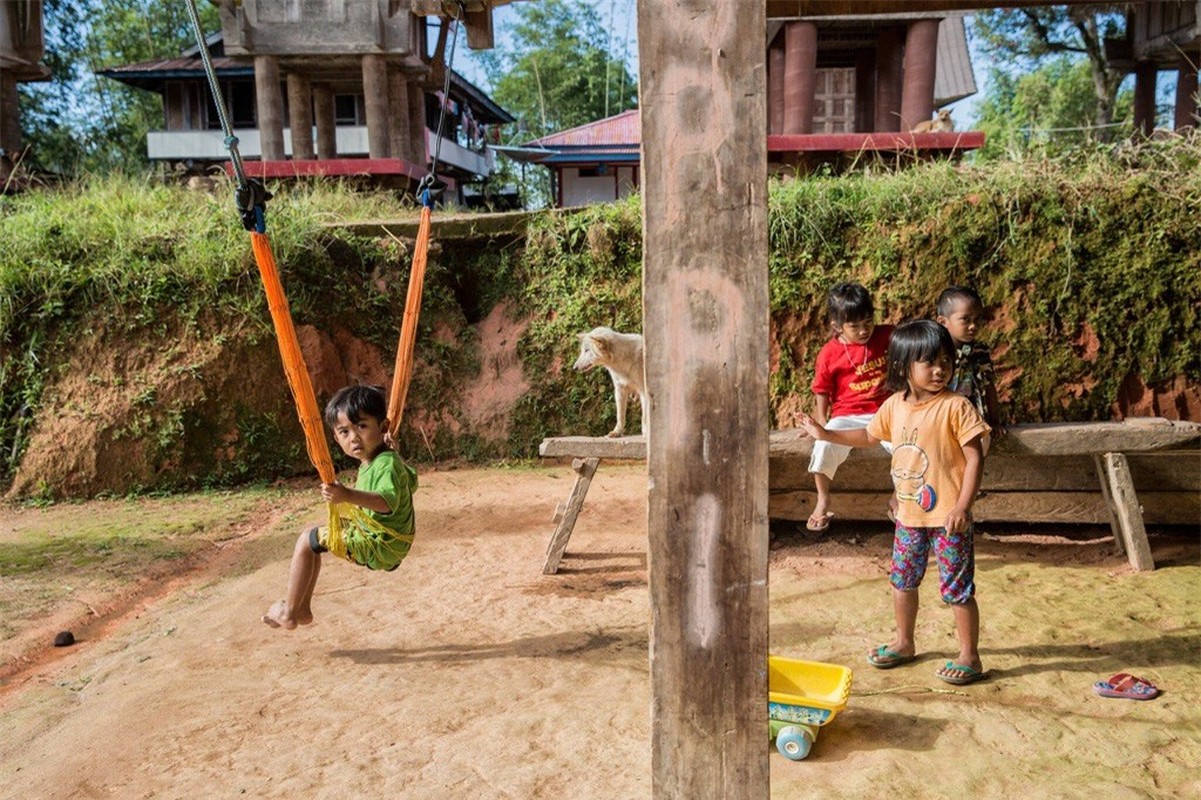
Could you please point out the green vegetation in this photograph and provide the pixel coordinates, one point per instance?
(1092, 263)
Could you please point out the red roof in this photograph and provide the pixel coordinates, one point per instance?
(623, 129)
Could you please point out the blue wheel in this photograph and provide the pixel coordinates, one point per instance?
(794, 742)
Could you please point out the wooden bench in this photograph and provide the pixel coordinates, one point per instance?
(1127, 474)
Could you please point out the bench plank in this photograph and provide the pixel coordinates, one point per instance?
(585, 468)
(1128, 512)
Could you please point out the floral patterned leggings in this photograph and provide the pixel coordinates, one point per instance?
(956, 561)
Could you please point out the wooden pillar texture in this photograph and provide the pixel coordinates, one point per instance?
(417, 125)
(398, 122)
(10, 114)
(800, 76)
(889, 73)
(921, 52)
(1145, 74)
(1186, 92)
(775, 85)
(375, 103)
(270, 102)
(300, 116)
(865, 90)
(705, 320)
(323, 107)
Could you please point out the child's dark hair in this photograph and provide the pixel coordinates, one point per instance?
(953, 295)
(921, 340)
(355, 402)
(849, 302)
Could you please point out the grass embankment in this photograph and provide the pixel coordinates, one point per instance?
(1093, 265)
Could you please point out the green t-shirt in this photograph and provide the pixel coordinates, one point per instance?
(394, 480)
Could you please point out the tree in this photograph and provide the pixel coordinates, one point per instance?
(552, 71)
(80, 122)
(1052, 108)
(1034, 37)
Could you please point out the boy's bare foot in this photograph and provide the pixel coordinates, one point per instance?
(277, 616)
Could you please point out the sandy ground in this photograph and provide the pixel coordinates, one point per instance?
(466, 673)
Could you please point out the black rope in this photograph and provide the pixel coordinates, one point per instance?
(430, 187)
(251, 196)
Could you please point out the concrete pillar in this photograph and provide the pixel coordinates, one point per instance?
(300, 116)
(10, 114)
(323, 105)
(375, 101)
(1186, 91)
(1145, 75)
(865, 90)
(800, 76)
(270, 102)
(398, 123)
(417, 125)
(889, 76)
(921, 52)
(775, 85)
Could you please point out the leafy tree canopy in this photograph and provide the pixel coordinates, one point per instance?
(80, 122)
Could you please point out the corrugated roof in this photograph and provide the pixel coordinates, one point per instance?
(622, 129)
(953, 75)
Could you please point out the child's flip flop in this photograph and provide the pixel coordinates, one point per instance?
(1125, 685)
(818, 528)
(884, 657)
(960, 674)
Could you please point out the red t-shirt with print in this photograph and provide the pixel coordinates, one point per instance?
(852, 375)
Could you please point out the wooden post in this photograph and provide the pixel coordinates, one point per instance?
(705, 320)
(10, 114)
(1129, 514)
(327, 131)
(270, 103)
(398, 121)
(417, 125)
(917, 93)
(584, 468)
(800, 76)
(375, 102)
(1186, 92)
(889, 74)
(1145, 75)
(300, 116)
(775, 85)
(1107, 495)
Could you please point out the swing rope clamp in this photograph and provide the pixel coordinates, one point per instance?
(429, 189)
(251, 199)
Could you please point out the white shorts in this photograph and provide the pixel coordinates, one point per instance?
(827, 456)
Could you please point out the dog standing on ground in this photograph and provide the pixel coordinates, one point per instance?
(622, 355)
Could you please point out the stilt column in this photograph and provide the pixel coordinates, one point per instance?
(921, 52)
(398, 122)
(865, 90)
(800, 76)
(10, 114)
(375, 101)
(1145, 75)
(323, 105)
(300, 116)
(270, 101)
(889, 72)
(1186, 92)
(417, 146)
(775, 85)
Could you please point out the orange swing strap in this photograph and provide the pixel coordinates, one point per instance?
(402, 373)
(293, 361)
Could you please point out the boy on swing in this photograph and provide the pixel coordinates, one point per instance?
(377, 520)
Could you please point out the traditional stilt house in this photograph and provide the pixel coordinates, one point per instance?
(330, 88)
(1161, 35)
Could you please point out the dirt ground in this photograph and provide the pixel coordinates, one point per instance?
(467, 673)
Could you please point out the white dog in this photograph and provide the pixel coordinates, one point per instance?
(621, 354)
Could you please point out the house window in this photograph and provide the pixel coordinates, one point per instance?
(834, 101)
(348, 110)
(599, 171)
(239, 96)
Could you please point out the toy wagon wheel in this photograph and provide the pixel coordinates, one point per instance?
(794, 742)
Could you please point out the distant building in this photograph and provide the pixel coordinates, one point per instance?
(325, 89)
(1160, 35)
(837, 87)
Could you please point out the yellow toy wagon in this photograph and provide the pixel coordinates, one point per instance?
(801, 697)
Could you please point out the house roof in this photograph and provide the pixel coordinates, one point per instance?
(616, 131)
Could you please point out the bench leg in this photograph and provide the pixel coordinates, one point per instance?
(584, 468)
(1107, 494)
(1127, 511)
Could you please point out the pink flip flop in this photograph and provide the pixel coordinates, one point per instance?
(1125, 685)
